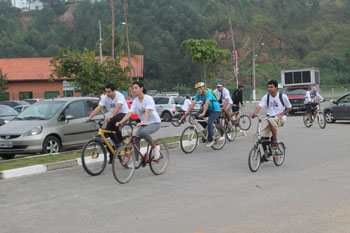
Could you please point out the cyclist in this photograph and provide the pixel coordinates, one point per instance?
(145, 108)
(310, 101)
(237, 98)
(278, 106)
(186, 103)
(210, 108)
(117, 107)
(224, 100)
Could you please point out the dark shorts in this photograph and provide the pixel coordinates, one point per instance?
(310, 106)
(235, 108)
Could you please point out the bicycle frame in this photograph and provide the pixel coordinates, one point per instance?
(101, 133)
(196, 125)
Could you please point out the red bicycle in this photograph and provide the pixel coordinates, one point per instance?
(124, 163)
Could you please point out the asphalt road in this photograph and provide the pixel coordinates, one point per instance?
(206, 191)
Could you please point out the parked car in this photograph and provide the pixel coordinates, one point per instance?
(20, 108)
(49, 126)
(338, 109)
(13, 103)
(32, 101)
(166, 105)
(6, 114)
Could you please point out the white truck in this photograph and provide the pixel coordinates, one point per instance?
(295, 84)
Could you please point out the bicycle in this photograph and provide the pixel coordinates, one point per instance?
(189, 137)
(94, 155)
(318, 114)
(231, 130)
(243, 121)
(257, 154)
(124, 165)
(176, 118)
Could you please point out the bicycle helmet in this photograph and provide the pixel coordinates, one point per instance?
(199, 85)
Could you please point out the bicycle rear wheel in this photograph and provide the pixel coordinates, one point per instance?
(321, 120)
(189, 139)
(231, 132)
(219, 137)
(244, 122)
(159, 166)
(279, 154)
(254, 159)
(176, 120)
(94, 157)
(124, 163)
(306, 121)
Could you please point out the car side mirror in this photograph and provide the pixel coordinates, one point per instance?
(335, 102)
(68, 118)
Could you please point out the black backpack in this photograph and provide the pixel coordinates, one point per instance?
(280, 96)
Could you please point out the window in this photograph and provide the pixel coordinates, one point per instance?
(51, 94)
(297, 77)
(162, 101)
(26, 95)
(91, 105)
(346, 99)
(68, 93)
(288, 77)
(77, 109)
(306, 77)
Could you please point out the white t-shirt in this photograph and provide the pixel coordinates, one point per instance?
(140, 109)
(225, 95)
(111, 103)
(275, 105)
(186, 105)
(311, 98)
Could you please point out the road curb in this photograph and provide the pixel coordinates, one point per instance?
(37, 169)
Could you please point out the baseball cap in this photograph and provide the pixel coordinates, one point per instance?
(219, 84)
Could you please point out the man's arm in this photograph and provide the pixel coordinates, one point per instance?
(115, 112)
(94, 112)
(205, 108)
(256, 111)
(226, 103)
(188, 110)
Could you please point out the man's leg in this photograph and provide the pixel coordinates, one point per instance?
(212, 117)
(308, 110)
(274, 124)
(117, 137)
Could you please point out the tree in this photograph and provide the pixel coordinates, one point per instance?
(88, 74)
(3, 82)
(205, 52)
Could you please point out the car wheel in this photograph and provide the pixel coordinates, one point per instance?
(7, 156)
(329, 117)
(167, 116)
(51, 145)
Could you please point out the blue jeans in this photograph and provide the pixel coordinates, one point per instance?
(212, 116)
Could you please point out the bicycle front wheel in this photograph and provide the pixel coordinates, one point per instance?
(254, 159)
(159, 166)
(306, 121)
(321, 120)
(124, 163)
(219, 137)
(189, 139)
(176, 120)
(231, 132)
(244, 122)
(279, 154)
(94, 157)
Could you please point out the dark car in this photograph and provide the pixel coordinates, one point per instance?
(13, 103)
(6, 114)
(338, 109)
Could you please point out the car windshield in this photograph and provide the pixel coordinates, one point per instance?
(297, 91)
(179, 100)
(7, 111)
(40, 111)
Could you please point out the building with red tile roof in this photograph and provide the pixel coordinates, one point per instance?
(29, 77)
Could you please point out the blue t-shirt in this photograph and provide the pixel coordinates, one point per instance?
(213, 105)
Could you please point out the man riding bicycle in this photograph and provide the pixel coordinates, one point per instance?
(224, 100)
(210, 108)
(278, 106)
(117, 107)
(237, 98)
(310, 101)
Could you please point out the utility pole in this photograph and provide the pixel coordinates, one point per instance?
(99, 26)
(113, 22)
(253, 69)
(127, 42)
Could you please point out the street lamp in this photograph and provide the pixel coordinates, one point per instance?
(253, 69)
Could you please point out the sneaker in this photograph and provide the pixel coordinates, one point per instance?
(110, 161)
(136, 163)
(156, 152)
(210, 144)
